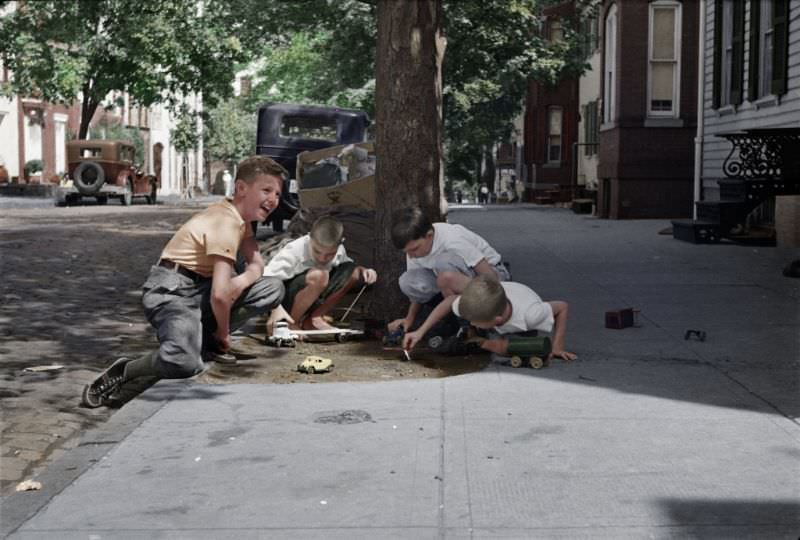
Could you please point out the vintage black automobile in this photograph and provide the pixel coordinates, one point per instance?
(285, 130)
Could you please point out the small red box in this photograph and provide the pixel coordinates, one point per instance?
(619, 319)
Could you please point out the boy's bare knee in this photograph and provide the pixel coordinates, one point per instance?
(317, 279)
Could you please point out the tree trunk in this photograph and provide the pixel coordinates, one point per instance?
(408, 143)
(88, 108)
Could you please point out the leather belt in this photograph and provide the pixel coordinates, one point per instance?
(194, 276)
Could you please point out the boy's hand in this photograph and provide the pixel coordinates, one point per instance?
(566, 356)
(368, 275)
(397, 323)
(411, 339)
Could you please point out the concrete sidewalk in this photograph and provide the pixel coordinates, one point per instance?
(646, 436)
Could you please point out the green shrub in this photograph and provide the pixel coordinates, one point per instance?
(32, 166)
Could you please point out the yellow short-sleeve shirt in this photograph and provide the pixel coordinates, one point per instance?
(216, 231)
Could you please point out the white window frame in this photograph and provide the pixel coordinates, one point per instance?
(726, 57)
(766, 34)
(676, 62)
(550, 135)
(610, 26)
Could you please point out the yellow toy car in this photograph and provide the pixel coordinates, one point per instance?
(315, 364)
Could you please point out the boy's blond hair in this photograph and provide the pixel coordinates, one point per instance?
(254, 166)
(483, 299)
(327, 231)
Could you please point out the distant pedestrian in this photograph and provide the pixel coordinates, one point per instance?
(519, 188)
(483, 194)
(194, 296)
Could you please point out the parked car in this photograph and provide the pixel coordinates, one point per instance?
(286, 130)
(105, 169)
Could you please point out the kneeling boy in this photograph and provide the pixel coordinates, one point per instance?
(193, 295)
(317, 273)
(440, 258)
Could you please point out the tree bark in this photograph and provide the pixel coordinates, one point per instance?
(408, 143)
(88, 108)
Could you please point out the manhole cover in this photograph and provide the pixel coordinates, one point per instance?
(342, 417)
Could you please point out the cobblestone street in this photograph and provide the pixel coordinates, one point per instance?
(70, 289)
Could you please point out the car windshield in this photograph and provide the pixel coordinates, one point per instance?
(305, 127)
(91, 152)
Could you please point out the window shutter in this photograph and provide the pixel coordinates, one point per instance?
(717, 90)
(737, 75)
(753, 63)
(780, 47)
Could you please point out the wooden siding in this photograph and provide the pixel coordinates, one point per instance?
(769, 112)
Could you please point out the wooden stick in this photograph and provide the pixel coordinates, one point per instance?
(346, 313)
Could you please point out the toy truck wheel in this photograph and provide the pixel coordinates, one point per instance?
(310, 370)
(516, 361)
(341, 338)
(536, 362)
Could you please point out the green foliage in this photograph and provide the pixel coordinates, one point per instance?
(324, 52)
(325, 55)
(157, 51)
(116, 131)
(185, 136)
(230, 132)
(32, 166)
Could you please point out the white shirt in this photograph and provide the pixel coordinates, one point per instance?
(457, 240)
(295, 258)
(528, 311)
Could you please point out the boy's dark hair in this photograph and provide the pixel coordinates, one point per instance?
(483, 299)
(409, 224)
(254, 166)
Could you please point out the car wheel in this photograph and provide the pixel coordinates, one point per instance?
(127, 196)
(310, 370)
(536, 362)
(341, 338)
(89, 177)
(516, 361)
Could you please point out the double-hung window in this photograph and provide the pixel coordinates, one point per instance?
(555, 117)
(769, 48)
(664, 50)
(610, 66)
(728, 52)
(765, 48)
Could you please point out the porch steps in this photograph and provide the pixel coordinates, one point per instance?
(726, 217)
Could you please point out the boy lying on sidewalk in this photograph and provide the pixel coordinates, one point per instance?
(508, 308)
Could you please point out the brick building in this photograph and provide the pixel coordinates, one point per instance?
(551, 124)
(649, 108)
